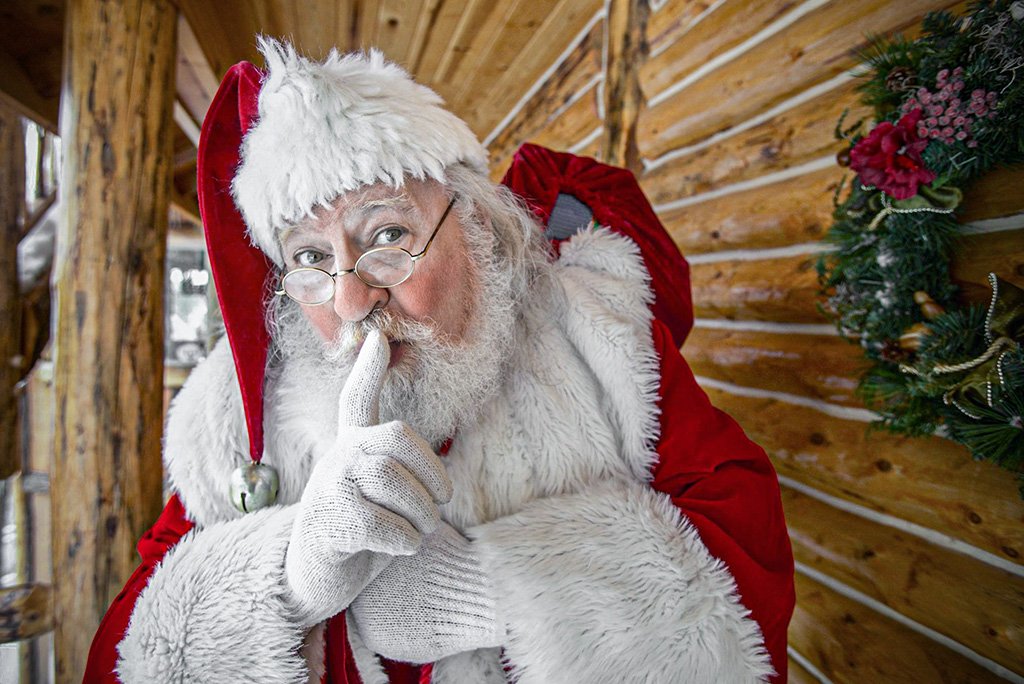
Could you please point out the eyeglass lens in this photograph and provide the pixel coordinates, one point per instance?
(379, 268)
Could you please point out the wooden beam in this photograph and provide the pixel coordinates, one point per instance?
(117, 132)
(19, 92)
(26, 611)
(626, 50)
(12, 202)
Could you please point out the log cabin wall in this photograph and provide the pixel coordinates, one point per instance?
(907, 551)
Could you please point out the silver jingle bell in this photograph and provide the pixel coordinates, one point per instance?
(254, 486)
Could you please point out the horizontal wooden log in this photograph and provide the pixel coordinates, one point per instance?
(929, 481)
(671, 20)
(800, 210)
(792, 211)
(720, 29)
(814, 366)
(816, 47)
(997, 193)
(784, 289)
(849, 642)
(795, 137)
(25, 611)
(912, 577)
(1001, 253)
(798, 674)
(578, 69)
(565, 129)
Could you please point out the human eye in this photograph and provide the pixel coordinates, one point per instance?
(309, 257)
(389, 236)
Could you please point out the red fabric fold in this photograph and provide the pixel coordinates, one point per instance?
(726, 486)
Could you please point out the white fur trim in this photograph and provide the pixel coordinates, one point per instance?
(609, 321)
(214, 610)
(206, 436)
(328, 128)
(482, 666)
(614, 585)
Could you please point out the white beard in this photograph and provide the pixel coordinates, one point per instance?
(438, 385)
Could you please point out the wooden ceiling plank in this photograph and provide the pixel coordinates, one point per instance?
(475, 15)
(396, 25)
(440, 39)
(19, 92)
(367, 22)
(217, 42)
(497, 40)
(425, 20)
(567, 19)
(196, 81)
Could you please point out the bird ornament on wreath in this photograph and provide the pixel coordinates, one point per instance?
(949, 106)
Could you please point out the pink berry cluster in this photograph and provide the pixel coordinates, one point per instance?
(948, 117)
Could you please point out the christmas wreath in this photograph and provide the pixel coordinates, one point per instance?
(949, 106)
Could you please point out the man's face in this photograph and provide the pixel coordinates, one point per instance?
(451, 324)
(441, 292)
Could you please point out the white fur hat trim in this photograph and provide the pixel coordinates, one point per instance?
(327, 128)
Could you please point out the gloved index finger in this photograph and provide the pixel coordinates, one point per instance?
(358, 404)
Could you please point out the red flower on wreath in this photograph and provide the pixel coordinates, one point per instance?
(889, 158)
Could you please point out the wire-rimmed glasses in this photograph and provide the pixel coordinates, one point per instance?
(380, 267)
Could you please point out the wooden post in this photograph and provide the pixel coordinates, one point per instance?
(116, 125)
(12, 199)
(626, 49)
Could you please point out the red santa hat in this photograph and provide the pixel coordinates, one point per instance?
(277, 144)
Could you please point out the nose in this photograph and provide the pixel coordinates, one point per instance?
(354, 299)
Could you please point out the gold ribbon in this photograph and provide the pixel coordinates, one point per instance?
(941, 200)
(1004, 331)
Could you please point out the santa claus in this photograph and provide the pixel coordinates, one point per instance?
(428, 449)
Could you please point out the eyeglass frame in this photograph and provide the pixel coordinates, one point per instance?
(334, 283)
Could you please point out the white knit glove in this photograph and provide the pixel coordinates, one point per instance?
(373, 498)
(432, 604)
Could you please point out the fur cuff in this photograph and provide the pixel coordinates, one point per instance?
(214, 610)
(614, 585)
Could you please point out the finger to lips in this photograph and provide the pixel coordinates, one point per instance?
(359, 402)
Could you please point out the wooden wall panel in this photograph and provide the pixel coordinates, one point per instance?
(997, 193)
(794, 137)
(815, 366)
(725, 26)
(792, 211)
(850, 642)
(913, 577)
(783, 289)
(1000, 252)
(928, 481)
(672, 20)
(817, 47)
